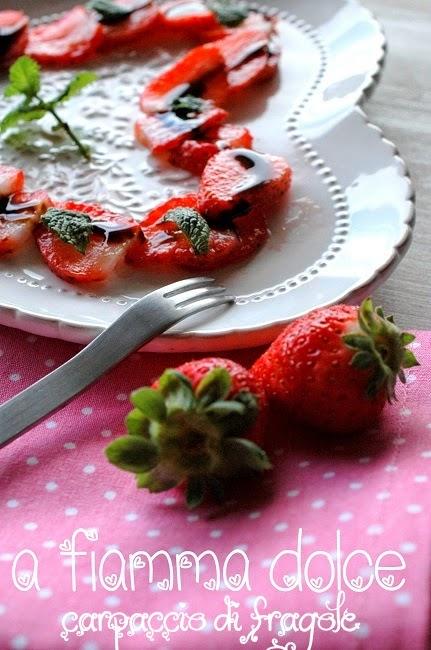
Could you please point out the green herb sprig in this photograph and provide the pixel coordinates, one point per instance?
(25, 79)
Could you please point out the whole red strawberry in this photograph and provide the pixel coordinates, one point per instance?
(335, 368)
(194, 427)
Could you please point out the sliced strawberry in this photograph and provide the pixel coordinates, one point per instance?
(240, 177)
(257, 20)
(158, 95)
(259, 68)
(250, 57)
(13, 35)
(162, 132)
(188, 16)
(103, 254)
(216, 88)
(67, 40)
(138, 24)
(229, 245)
(241, 45)
(230, 136)
(163, 246)
(11, 180)
(254, 20)
(193, 155)
(19, 213)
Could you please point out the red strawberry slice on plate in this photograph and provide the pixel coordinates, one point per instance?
(163, 246)
(19, 214)
(13, 35)
(144, 18)
(188, 16)
(159, 94)
(105, 250)
(250, 57)
(70, 39)
(241, 45)
(230, 136)
(193, 155)
(161, 132)
(254, 20)
(11, 180)
(241, 177)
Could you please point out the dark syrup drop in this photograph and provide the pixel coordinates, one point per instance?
(15, 211)
(260, 169)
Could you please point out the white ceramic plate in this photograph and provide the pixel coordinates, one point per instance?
(349, 217)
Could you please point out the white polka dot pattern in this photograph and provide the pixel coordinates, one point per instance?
(374, 490)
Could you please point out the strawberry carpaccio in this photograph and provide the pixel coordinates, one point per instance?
(184, 119)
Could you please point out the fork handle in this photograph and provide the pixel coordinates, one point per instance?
(139, 324)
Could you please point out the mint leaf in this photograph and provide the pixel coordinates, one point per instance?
(187, 106)
(133, 454)
(21, 114)
(79, 82)
(229, 12)
(109, 12)
(71, 226)
(11, 90)
(193, 226)
(24, 77)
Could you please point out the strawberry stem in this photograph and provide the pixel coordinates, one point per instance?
(380, 347)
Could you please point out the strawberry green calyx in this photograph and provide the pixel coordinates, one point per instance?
(380, 346)
(177, 434)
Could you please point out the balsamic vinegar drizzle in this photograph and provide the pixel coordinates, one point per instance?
(8, 36)
(252, 49)
(183, 9)
(110, 229)
(167, 100)
(261, 169)
(10, 30)
(10, 211)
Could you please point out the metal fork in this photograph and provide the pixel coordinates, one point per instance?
(143, 321)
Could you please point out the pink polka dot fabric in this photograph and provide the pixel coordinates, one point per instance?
(373, 490)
